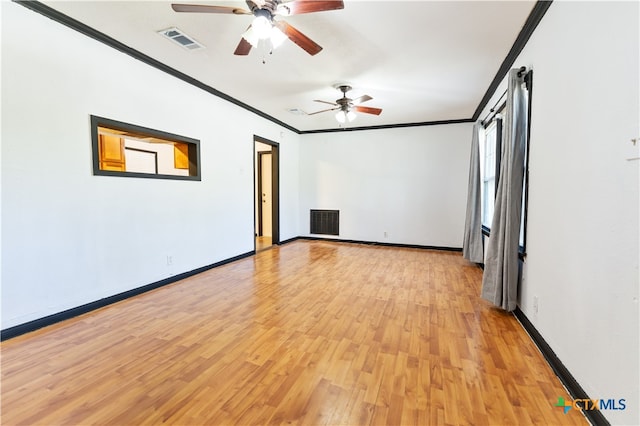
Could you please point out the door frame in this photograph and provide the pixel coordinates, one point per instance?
(275, 187)
(259, 189)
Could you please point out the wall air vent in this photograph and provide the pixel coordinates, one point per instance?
(325, 222)
(179, 37)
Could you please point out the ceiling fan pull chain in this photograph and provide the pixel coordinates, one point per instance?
(265, 49)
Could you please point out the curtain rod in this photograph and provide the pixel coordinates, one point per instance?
(522, 71)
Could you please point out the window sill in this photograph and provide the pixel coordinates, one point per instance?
(522, 254)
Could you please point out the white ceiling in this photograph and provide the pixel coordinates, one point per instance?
(420, 61)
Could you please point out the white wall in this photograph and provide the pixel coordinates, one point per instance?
(408, 182)
(582, 238)
(69, 237)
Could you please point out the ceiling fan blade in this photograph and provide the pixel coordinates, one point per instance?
(368, 110)
(361, 99)
(201, 8)
(325, 102)
(310, 46)
(297, 7)
(324, 110)
(244, 47)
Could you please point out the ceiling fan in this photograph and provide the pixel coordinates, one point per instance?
(346, 106)
(264, 26)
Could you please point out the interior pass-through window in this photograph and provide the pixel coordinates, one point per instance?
(122, 149)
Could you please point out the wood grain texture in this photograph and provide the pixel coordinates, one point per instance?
(263, 243)
(310, 333)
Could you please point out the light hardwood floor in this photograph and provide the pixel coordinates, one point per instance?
(310, 333)
(263, 243)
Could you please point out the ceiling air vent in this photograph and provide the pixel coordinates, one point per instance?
(181, 38)
(296, 111)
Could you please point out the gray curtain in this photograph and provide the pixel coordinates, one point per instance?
(472, 243)
(500, 278)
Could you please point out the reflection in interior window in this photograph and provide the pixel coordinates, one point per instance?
(123, 149)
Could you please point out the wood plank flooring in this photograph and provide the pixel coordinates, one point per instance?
(309, 333)
(263, 243)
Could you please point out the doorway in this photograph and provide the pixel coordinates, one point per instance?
(266, 194)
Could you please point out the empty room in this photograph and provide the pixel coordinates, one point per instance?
(320, 212)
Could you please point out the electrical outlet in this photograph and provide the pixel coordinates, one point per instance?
(535, 305)
(385, 234)
(169, 260)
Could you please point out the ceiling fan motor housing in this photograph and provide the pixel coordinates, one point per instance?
(264, 13)
(268, 9)
(344, 102)
(347, 105)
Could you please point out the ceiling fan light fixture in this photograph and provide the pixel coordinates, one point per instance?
(251, 37)
(344, 116)
(277, 37)
(262, 27)
(263, 23)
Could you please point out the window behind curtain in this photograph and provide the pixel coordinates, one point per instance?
(489, 163)
(490, 153)
(525, 183)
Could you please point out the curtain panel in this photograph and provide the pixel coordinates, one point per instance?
(500, 278)
(472, 243)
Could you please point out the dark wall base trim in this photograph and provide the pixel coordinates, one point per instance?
(79, 310)
(575, 390)
(290, 240)
(374, 243)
